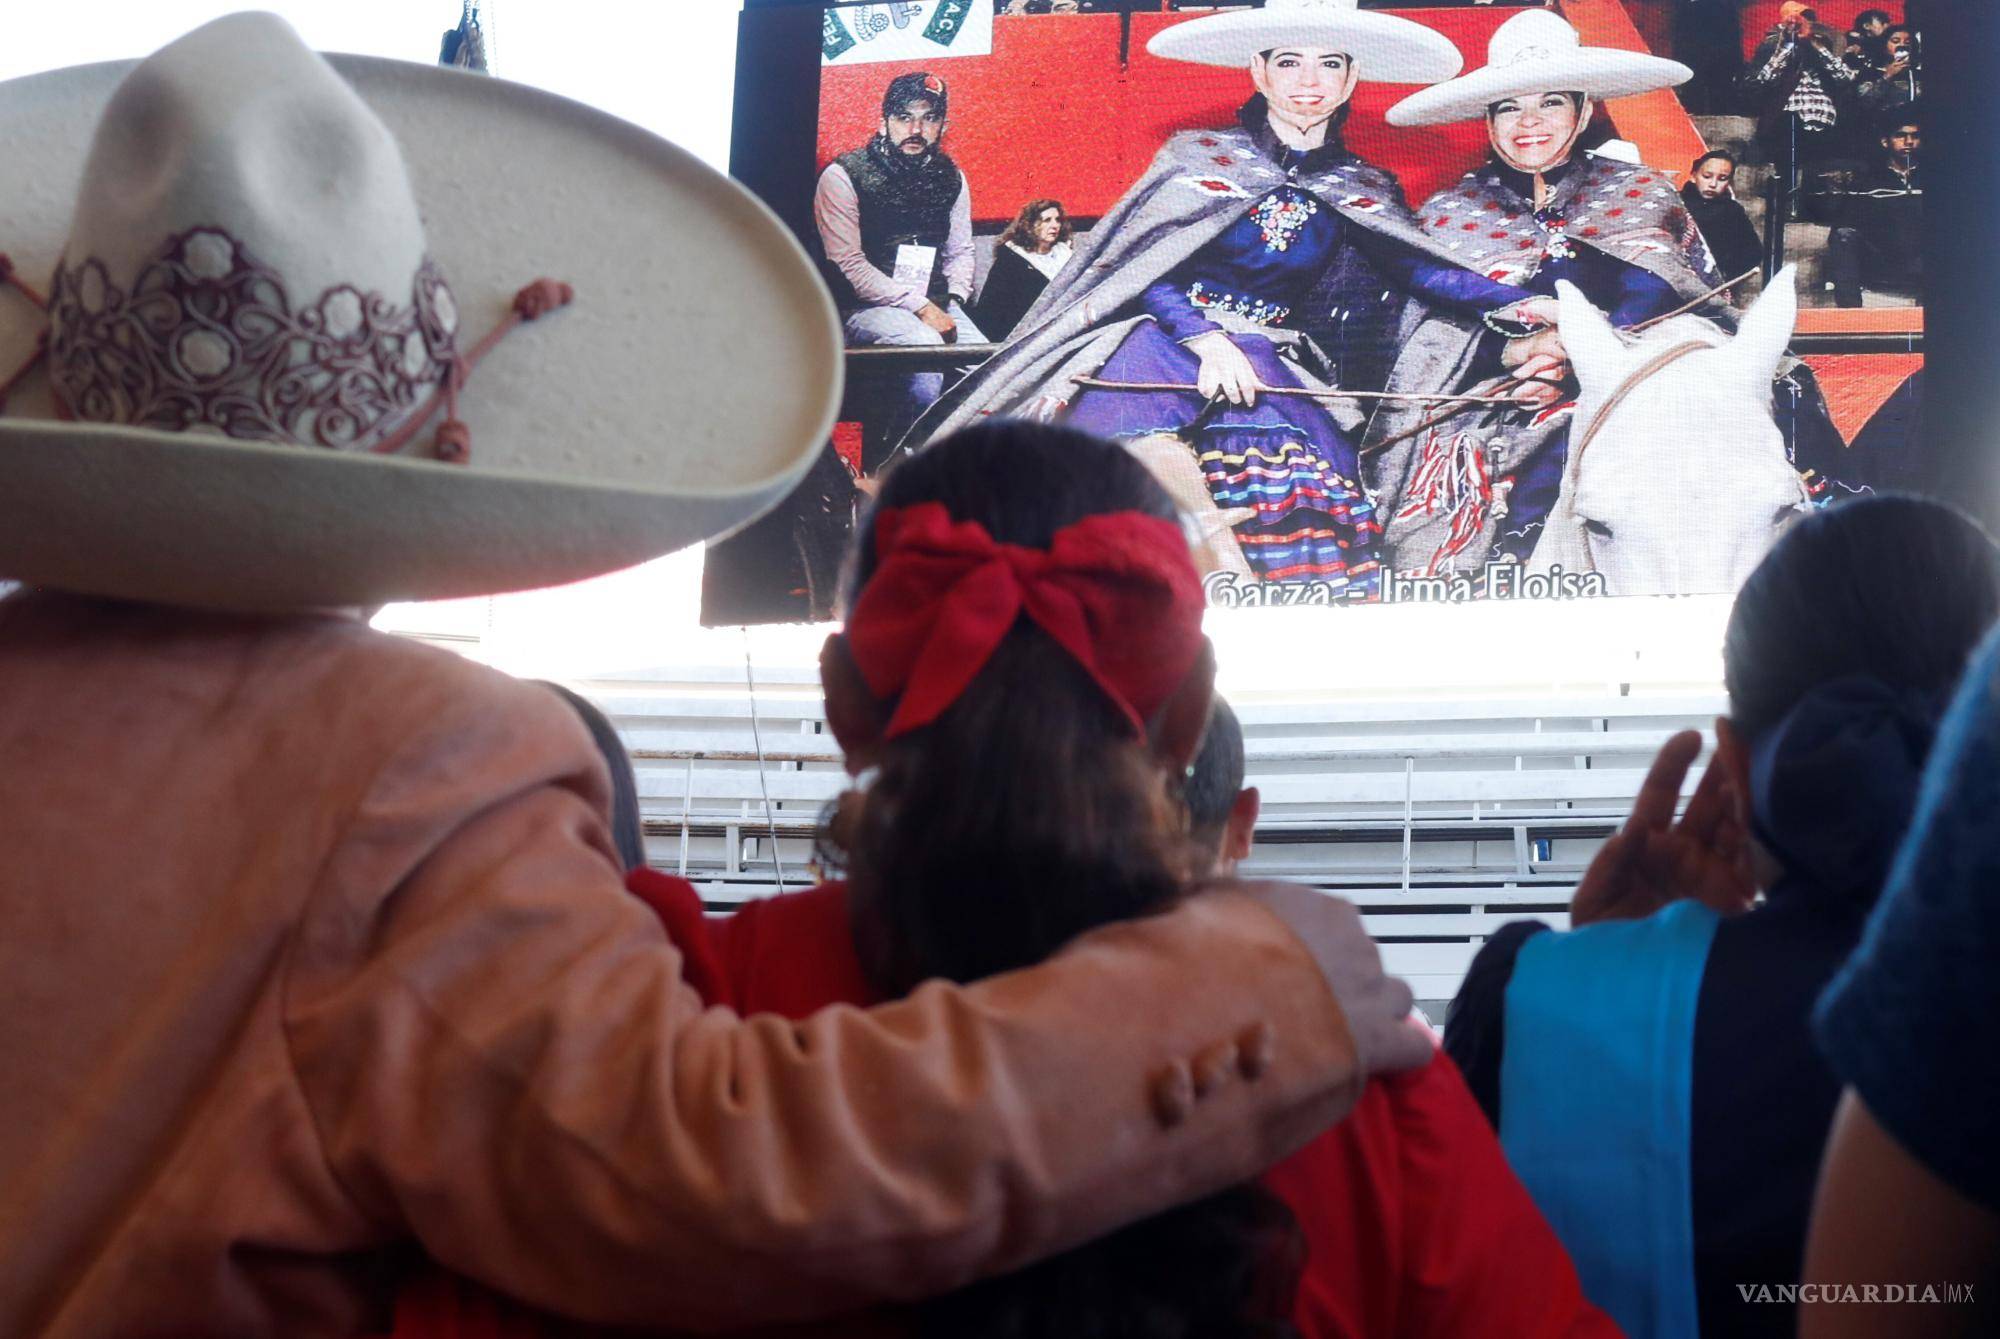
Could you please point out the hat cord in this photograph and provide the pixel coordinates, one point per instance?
(11, 278)
(453, 442)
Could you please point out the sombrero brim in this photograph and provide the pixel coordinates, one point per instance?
(685, 392)
(1386, 49)
(1592, 71)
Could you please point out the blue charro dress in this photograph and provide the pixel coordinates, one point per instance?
(1286, 458)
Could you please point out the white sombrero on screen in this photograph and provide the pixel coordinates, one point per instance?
(263, 268)
(1386, 49)
(1537, 52)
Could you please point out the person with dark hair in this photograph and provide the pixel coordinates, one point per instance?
(1031, 252)
(895, 224)
(1896, 82)
(627, 830)
(1412, 1221)
(1222, 812)
(1879, 242)
(1804, 93)
(1910, 1188)
(1867, 44)
(1712, 204)
(1705, 1098)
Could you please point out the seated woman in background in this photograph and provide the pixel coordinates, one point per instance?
(1032, 251)
(1657, 1068)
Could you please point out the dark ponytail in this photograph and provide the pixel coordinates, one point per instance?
(1021, 817)
(1840, 654)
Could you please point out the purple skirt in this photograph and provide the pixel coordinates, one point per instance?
(1285, 459)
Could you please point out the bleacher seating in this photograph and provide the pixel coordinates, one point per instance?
(1441, 819)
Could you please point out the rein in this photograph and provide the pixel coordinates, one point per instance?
(1645, 371)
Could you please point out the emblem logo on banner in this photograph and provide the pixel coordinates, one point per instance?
(867, 34)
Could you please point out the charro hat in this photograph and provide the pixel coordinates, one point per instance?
(1537, 52)
(1386, 49)
(268, 275)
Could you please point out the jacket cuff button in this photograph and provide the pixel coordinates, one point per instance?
(1255, 1050)
(1173, 1095)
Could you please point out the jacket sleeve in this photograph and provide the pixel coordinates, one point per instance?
(501, 1060)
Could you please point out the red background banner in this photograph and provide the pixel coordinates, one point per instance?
(1052, 112)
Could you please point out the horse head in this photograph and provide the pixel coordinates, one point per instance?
(1677, 479)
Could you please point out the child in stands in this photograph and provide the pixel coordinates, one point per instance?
(1711, 202)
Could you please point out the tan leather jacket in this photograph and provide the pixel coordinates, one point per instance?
(314, 945)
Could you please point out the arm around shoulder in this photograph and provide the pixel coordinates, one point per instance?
(502, 1060)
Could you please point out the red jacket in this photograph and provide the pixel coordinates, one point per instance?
(1415, 1227)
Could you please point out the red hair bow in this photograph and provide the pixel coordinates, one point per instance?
(1116, 591)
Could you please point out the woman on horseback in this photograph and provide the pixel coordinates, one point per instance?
(1459, 489)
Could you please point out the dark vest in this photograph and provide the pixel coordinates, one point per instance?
(902, 203)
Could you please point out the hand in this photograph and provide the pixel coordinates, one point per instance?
(939, 320)
(1536, 311)
(1539, 394)
(1376, 1005)
(1225, 369)
(1653, 860)
(1542, 344)
(1896, 67)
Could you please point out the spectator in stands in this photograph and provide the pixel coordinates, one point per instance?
(1711, 202)
(628, 832)
(1910, 1190)
(1897, 84)
(1803, 91)
(316, 949)
(1679, 1037)
(1018, 745)
(1867, 47)
(1032, 251)
(1879, 243)
(895, 223)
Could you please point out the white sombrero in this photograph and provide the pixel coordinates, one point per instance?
(1537, 52)
(264, 247)
(1385, 49)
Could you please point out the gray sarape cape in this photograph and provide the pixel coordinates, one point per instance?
(1630, 213)
(1201, 182)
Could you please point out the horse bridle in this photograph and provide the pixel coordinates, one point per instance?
(1644, 372)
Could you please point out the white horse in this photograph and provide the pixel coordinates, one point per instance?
(1677, 480)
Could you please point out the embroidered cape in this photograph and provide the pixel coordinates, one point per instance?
(1201, 182)
(1437, 507)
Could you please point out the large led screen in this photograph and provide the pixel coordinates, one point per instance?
(1441, 304)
